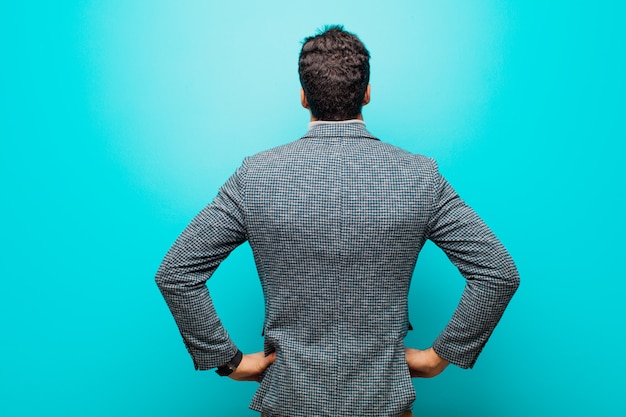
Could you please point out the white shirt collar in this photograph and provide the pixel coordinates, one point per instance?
(324, 122)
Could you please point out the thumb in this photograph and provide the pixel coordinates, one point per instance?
(269, 359)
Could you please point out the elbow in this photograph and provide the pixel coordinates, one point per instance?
(511, 278)
(163, 276)
(515, 281)
(504, 278)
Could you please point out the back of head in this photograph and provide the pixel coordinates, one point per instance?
(334, 72)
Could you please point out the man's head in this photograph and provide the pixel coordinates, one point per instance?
(334, 72)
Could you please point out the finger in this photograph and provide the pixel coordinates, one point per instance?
(269, 359)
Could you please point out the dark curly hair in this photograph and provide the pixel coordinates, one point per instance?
(334, 72)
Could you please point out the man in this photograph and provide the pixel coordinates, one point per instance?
(335, 221)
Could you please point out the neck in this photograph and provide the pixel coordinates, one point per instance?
(358, 117)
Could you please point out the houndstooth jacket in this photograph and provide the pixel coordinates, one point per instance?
(336, 221)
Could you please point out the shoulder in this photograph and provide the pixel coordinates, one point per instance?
(282, 152)
(412, 161)
(369, 150)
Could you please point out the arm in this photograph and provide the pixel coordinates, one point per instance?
(491, 276)
(196, 254)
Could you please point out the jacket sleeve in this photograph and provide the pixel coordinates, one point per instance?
(190, 262)
(490, 274)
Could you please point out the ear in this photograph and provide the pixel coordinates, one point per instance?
(366, 97)
(303, 99)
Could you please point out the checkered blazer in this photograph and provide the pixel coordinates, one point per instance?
(336, 221)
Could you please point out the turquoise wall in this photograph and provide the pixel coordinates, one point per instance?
(119, 120)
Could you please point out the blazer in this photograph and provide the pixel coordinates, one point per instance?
(336, 221)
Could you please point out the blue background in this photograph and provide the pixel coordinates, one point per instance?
(120, 119)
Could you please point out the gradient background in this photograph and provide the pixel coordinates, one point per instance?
(120, 119)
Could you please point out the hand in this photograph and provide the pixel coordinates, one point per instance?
(424, 363)
(252, 366)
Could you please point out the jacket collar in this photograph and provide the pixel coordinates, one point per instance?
(347, 129)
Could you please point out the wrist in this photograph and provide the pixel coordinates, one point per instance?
(230, 366)
(437, 358)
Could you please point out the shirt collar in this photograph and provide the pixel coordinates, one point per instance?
(336, 123)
